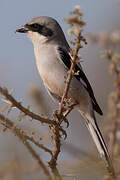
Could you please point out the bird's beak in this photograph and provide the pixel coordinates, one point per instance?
(22, 29)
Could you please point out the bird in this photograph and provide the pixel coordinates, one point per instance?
(53, 60)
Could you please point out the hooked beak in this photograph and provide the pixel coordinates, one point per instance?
(22, 29)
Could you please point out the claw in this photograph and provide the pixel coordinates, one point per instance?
(63, 132)
(67, 122)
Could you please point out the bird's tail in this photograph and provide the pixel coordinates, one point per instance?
(100, 144)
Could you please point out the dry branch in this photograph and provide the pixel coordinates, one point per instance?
(41, 146)
(26, 111)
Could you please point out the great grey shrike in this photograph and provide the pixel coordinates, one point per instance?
(53, 62)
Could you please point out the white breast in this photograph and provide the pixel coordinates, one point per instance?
(51, 69)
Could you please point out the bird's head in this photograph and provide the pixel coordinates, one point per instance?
(42, 29)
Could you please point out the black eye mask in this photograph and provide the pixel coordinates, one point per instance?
(41, 29)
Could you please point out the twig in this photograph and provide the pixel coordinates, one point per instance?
(55, 133)
(55, 152)
(27, 112)
(9, 124)
(38, 144)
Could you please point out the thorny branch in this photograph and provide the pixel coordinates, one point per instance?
(37, 143)
(26, 111)
(77, 24)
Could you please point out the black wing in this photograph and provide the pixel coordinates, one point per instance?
(80, 75)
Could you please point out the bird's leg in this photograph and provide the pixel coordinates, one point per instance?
(69, 108)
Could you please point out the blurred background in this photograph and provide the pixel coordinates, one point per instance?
(18, 71)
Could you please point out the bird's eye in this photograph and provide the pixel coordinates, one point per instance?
(35, 25)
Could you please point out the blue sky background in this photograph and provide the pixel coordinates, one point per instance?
(17, 62)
